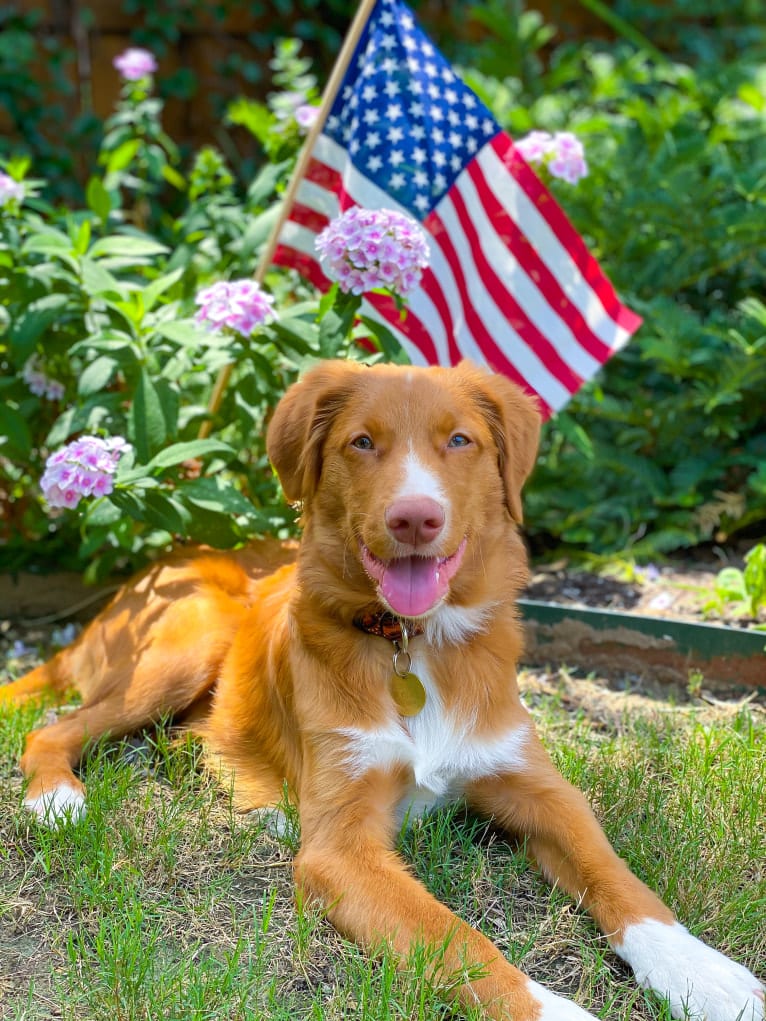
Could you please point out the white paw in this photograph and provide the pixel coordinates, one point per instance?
(58, 807)
(697, 981)
(277, 823)
(556, 1008)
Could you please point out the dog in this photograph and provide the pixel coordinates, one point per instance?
(373, 672)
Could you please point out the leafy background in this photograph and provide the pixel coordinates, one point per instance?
(666, 450)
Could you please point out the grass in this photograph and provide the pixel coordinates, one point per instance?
(165, 904)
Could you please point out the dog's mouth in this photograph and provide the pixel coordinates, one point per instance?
(411, 586)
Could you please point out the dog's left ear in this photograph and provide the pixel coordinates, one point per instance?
(514, 419)
(300, 423)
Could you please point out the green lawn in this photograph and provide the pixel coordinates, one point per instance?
(165, 904)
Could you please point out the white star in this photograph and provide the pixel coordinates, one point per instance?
(455, 140)
(374, 163)
(451, 96)
(388, 42)
(431, 69)
(433, 91)
(422, 203)
(386, 18)
(419, 155)
(407, 21)
(397, 181)
(471, 144)
(396, 157)
(456, 163)
(391, 89)
(428, 48)
(409, 43)
(416, 110)
(439, 159)
(471, 122)
(487, 125)
(388, 65)
(420, 179)
(369, 92)
(418, 132)
(395, 134)
(437, 135)
(393, 111)
(373, 139)
(469, 100)
(371, 116)
(454, 118)
(440, 183)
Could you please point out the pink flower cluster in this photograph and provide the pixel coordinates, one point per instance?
(40, 384)
(239, 305)
(562, 153)
(10, 189)
(365, 249)
(305, 115)
(84, 467)
(135, 63)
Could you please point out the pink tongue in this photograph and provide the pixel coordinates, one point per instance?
(412, 585)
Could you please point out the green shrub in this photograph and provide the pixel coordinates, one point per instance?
(667, 448)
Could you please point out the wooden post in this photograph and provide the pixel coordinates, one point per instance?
(328, 97)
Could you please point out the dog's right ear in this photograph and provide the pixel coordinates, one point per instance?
(301, 421)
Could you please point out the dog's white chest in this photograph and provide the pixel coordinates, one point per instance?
(443, 753)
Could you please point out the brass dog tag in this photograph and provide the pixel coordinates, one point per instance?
(408, 693)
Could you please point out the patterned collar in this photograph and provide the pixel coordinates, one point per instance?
(386, 625)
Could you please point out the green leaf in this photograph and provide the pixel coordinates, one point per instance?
(98, 198)
(179, 452)
(99, 281)
(97, 375)
(121, 245)
(147, 418)
(159, 286)
(164, 511)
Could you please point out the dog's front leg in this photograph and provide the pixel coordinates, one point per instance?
(347, 866)
(564, 838)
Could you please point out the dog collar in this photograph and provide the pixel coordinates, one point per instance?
(386, 625)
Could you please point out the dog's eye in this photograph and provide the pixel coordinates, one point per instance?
(363, 443)
(459, 440)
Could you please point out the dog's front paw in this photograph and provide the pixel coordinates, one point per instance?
(64, 804)
(556, 1008)
(698, 982)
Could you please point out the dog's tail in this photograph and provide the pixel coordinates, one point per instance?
(49, 680)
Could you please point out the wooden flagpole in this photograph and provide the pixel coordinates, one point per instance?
(328, 97)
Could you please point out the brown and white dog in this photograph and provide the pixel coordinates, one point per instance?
(315, 672)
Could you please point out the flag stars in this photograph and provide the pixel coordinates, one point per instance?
(393, 111)
(396, 158)
(395, 134)
(391, 88)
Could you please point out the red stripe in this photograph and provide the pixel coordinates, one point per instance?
(489, 349)
(307, 266)
(319, 173)
(507, 304)
(550, 210)
(308, 217)
(546, 282)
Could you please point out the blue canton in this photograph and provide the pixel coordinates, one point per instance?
(407, 121)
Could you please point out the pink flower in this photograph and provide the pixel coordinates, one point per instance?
(39, 383)
(562, 154)
(305, 115)
(84, 467)
(239, 305)
(135, 64)
(10, 190)
(365, 249)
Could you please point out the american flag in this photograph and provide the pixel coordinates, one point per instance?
(511, 283)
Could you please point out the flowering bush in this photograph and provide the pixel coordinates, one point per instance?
(84, 467)
(135, 64)
(561, 154)
(366, 249)
(10, 190)
(238, 305)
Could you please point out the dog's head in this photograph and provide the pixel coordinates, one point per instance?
(409, 476)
